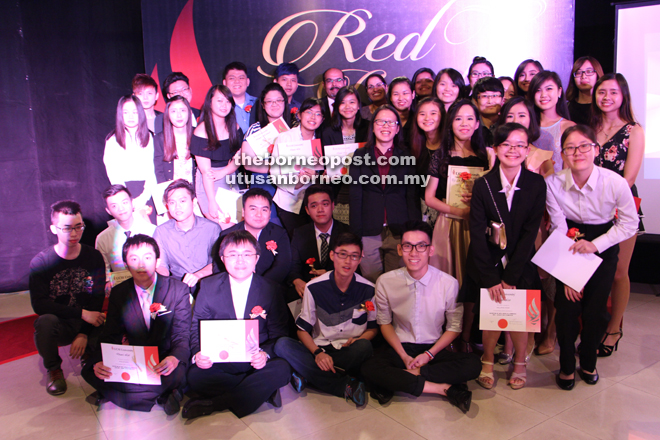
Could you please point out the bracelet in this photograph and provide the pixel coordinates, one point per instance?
(429, 354)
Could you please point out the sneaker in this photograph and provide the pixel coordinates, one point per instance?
(56, 383)
(460, 396)
(356, 391)
(298, 382)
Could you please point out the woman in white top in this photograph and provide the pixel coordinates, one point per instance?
(129, 153)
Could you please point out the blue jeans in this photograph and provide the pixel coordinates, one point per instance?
(348, 359)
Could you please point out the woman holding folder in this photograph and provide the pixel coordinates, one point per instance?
(513, 198)
(583, 201)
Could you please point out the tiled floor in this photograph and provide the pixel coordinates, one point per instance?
(625, 404)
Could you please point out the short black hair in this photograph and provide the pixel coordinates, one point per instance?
(113, 190)
(178, 184)
(286, 69)
(239, 237)
(234, 65)
(66, 207)
(503, 131)
(487, 84)
(417, 225)
(172, 78)
(138, 240)
(343, 239)
(316, 189)
(257, 192)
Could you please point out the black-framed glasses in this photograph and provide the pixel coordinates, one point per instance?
(475, 74)
(69, 229)
(588, 72)
(493, 96)
(509, 146)
(342, 255)
(419, 247)
(582, 148)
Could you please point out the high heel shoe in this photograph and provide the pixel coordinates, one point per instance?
(486, 380)
(521, 377)
(529, 355)
(506, 358)
(607, 350)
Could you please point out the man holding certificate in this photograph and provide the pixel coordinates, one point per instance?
(238, 293)
(149, 310)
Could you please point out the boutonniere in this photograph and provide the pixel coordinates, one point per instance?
(368, 306)
(310, 262)
(294, 111)
(248, 108)
(258, 312)
(272, 246)
(271, 147)
(574, 233)
(156, 309)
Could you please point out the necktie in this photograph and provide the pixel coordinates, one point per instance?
(325, 249)
(145, 308)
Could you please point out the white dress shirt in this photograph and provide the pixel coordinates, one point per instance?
(239, 294)
(509, 189)
(595, 203)
(418, 308)
(331, 104)
(146, 298)
(318, 233)
(110, 241)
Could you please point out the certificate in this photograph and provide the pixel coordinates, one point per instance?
(574, 270)
(519, 312)
(230, 203)
(340, 151)
(229, 340)
(157, 195)
(262, 141)
(460, 180)
(131, 364)
(304, 150)
(119, 277)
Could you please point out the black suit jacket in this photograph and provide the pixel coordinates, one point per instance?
(303, 247)
(331, 136)
(215, 301)
(369, 201)
(165, 170)
(271, 266)
(484, 260)
(170, 332)
(325, 108)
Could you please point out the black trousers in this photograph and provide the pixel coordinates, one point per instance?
(386, 369)
(51, 332)
(592, 307)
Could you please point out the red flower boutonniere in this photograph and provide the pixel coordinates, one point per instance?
(294, 111)
(272, 246)
(574, 233)
(465, 176)
(310, 262)
(156, 309)
(257, 312)
(367, 307)
(248, 108)
(270, 148)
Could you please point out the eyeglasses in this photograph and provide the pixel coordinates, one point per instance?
(311, 114)
(69, 229)
(475, 74)
(508, 146)
(178, 92)
(335, 80)
(588, 72)
(484, 97)
(385, 123)
(419, 247)
(379, 85)
(342, 255)
(244, 257)
(274, 102)
(582, 148)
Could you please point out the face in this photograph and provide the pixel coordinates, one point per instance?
(402, 96)
(423, 84)
(120, 206)
(388, 131)
(130, 114)
(142, 262)
(64, 227)
(256, 212)
(311, 118)
(274, 104)
(447, 91)
(489, 103)
(237, 81)
(579, 161)
(547, 95)
(376, 89)
(526, 76)
(513, 151)
(414, 259)
(289, 83)
(345, 267)
(333, 81)
(509, 90)
(583, 81)
(148, 96)
(479, 71)
(179, 114)
(348, 107)
(518, 113)
(320, 207)
(608, 96)
(220, 105)
(240, 260)
(180, 205)
(180, 88)
(429, 117)
(465, 123)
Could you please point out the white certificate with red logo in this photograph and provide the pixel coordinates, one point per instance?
(261, 142)
(233, 340)
(131, 364)
(304, 150)
(340, 152)
(519, 312)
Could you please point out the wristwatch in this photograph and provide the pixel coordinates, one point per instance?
(319, 351)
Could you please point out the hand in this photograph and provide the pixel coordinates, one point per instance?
(325, 362)
(203, 362)
(583, 247)
(78, 346)
(190, 279)
(349, 342)
(300, 286)
(316, 272)
(465, 213)
(497, 293)
(101, 371)
(94, 318)
(466, 198)
(213, 211)
(407, 361)
(166, 366)
(506, 286)
(108, 288)
(419, 361)
(259, 360)
(572, 294)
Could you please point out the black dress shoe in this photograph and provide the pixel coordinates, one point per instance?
(565, 384)
(171, 405)
(460, 396)
(197, 407)
(275, 399)
(590, 379)
(56, 383)
(382, 396)
(95, 398)
(298, 382)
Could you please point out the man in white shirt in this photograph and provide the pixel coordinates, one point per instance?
(413, 304)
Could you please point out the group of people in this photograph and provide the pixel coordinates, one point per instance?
(388, 272)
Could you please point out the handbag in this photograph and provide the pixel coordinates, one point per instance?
(496, 232)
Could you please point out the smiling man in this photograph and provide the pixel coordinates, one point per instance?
(333, 80)
(487, 95)
(235, 76)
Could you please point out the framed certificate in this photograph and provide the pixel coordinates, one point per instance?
(131, 364)
(339, 152)
(460, 180)
(519, 312)
(229, 340)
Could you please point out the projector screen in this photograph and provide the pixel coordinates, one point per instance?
(638, 59)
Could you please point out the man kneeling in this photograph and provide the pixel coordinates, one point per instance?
(336, 324)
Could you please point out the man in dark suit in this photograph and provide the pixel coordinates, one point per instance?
(274, 246)
(333, 80)
(239, 386)
(130, 321)
(312, 240)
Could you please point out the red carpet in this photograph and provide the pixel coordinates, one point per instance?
(16, 338)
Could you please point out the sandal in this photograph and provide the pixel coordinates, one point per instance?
(607, 350)
(486, 380)
(506, 358)
(521, 378)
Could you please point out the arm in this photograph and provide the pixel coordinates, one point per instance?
(437, 204)
(204, 164)
(159, 163)
(635, 157)
(163, 267)
(480, 251)
(192, 278)
(557, 216)
(626, 226)
(180, 346)
(391, 337)
(112, 158)
(150, 182)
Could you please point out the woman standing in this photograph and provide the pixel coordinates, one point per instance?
(586, 71)
(525, 72)
(377, 92)
(172, 159)
(401, 95)
(449, 86)
(422, 82)
(479, 68)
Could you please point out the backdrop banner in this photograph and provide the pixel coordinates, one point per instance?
(394, 38)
